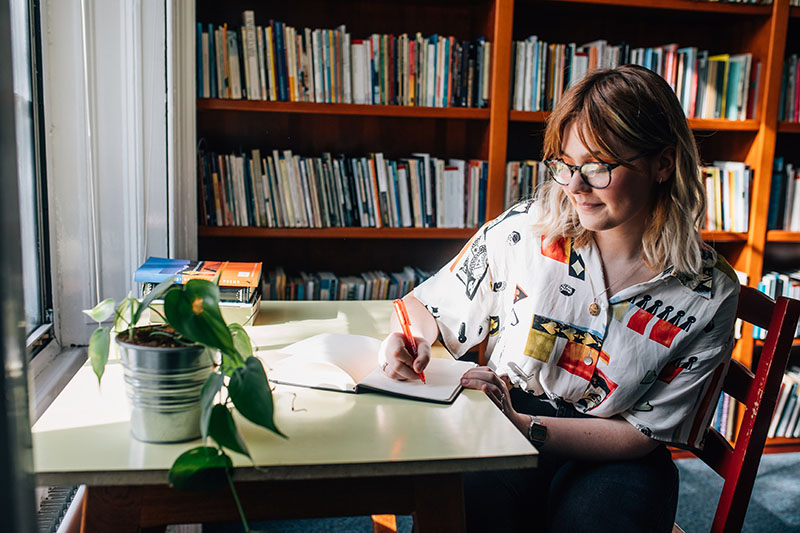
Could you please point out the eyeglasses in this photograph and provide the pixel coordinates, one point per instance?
(595, 174)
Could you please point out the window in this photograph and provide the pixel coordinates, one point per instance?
(26, 59)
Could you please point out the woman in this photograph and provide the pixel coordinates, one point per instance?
(609, 320)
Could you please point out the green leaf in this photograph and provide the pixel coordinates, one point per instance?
(157, 291)
(210, 389)
(126, 307)
(193, 310)
(102, 311)
(222, 429)
(241, 341)
(201, 468)
(250, 392)
(98, 350)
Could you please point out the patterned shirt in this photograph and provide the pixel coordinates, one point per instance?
(654, 353)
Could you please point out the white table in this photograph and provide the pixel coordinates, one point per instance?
(346, 454)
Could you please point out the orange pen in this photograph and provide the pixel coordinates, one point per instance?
(405, 323)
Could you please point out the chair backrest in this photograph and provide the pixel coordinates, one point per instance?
(758, 392)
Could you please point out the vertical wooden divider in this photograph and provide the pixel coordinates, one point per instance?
(499, 105)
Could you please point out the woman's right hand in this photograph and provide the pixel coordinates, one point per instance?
(398, 363)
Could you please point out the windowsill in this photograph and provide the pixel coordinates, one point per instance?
(48, 374)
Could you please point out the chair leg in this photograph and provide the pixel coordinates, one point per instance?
(384, 523)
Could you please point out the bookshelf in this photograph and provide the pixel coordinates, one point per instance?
(496, 133)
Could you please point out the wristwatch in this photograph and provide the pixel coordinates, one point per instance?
(537, 431)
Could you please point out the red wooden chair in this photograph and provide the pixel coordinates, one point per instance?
(738, 465)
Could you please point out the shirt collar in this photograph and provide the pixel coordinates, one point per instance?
(700, 283)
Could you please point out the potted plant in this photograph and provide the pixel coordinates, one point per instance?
(169, 365)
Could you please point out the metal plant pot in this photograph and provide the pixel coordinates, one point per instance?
(163, 385)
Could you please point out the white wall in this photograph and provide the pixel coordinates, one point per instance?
(106, 138)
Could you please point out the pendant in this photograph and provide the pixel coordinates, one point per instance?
(594, 309)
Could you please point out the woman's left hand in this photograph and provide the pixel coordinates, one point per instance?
(496, 388)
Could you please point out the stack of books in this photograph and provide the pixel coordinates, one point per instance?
(372, 285)
(708, 86)
(283, 190)
(239, 284)
(279, 62)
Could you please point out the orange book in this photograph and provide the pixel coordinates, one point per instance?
(234, 274)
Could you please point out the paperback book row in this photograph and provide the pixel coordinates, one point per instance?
(727, 186)
(708, 86)
(775, 284)
(789, 103)
(786, 418)
(372, 285)
(784, 197)
(284, 190)
(278, 62)
(238, 282)
(522, 179)
(724, 419)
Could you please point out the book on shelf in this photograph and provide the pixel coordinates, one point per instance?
(727, 185)
(349, 363)
(719, 86)
(787, 409)
(371, 285)
(287, 190)
(775, 284)
(724, 419)
(784, 196)
(522, 179)
(277, 61)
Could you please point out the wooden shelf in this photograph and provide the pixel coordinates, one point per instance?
(782, 445)
(260, 106)
(723, 236)
(794, 12)
(775, 235)
(337, 233)
(789, 127)
(697, 124)
(760, 342)
(528, 116)
(681, 5)
(721, 124)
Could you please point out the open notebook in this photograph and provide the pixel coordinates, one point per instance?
(348, 363)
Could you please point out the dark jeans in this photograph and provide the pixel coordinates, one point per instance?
(639, 495)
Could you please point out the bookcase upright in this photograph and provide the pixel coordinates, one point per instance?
(496, 134)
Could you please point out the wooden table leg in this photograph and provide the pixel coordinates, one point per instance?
(439, 505)
(112, 509)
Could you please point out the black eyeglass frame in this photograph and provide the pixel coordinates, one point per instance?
(573, 168)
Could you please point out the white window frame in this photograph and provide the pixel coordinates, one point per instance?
(119, 127)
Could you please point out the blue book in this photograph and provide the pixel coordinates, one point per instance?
(199, 60)
(212, 61)
(776, 194)
(482, 184)
(248, 191)
(446, 83)
(280, 52)
(782, 100)
(158, 269)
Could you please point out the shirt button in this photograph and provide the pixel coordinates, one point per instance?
(588, 360)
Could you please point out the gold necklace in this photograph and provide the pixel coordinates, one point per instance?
(594, 307)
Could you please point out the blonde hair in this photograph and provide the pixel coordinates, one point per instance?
(632, 107)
